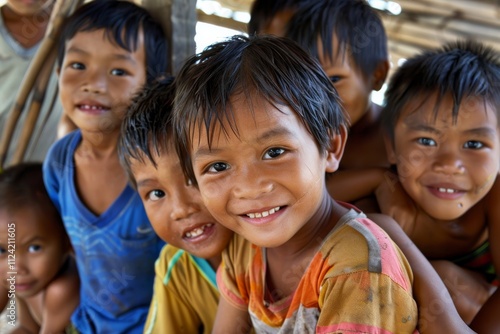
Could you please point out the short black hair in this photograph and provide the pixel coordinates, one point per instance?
(357, 27)
(123, 21)
(22, 186)
(147, 127)
(461, 69)
(274, 68)
(263, 11)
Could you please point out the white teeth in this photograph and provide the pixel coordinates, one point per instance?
(446, 190)
(263, 214)
(197, 231)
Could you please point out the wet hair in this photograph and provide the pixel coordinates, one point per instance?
(123, 21)
(146, 130)
(264, 67)
(357, 27)
(21, 187)
(461, 69)
(263, 11)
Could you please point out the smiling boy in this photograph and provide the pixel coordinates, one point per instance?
(441, 123)
(185, 294)
(258, 124)
(108, 52)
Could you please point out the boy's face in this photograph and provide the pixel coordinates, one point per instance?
(40, 249)
(446, 167)
(175, 209)
(352, 86)
(268, 181)
(98, 80)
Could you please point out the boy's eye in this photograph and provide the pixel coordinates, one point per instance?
(274, 153)
(2, 251)
(473, 144)
(218, 167)
(426, 141)
(334, 79)
(77, 66)
(34, 248)
(155, 195)
(118, 72)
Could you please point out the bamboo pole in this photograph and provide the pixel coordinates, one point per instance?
(35, 107)
(61, 10)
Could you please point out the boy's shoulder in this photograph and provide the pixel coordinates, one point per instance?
(176, 261)
(61, 296)
(64, 288)
(358, 243)
(64, 147)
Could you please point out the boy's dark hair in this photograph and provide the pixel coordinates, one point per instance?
(357, 27)
(263, 11)
(147, 127)
(462, 69)
(123, 21)
(273, 68)
(21, 186)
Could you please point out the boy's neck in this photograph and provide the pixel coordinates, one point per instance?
(368, 120)
(215, 262)
(98, 145)
(27, 30)
(310, 237)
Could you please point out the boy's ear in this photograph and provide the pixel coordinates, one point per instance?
(336, 150)
(389, 148)
(380, 74)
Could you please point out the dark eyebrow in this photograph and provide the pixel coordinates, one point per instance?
(273, 133)
(485, 131)
(422, 127)
(145, 182)
(121, 56)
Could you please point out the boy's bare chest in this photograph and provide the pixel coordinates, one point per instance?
(442, 240)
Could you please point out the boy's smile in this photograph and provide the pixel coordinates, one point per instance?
(175, 209)
(446, 167)
(265, 180)
(98, 78)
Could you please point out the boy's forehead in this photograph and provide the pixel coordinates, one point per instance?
(432, 108)
(81, 37)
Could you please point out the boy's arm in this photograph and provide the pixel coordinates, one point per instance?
(394, 202)
(487, 319)
(25, 322)
(231, 320)
(62, 296)
(354, 184)
(437, 313)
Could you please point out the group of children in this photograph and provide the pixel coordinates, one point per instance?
(243, 178)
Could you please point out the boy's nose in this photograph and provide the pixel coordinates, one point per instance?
(449, 163)
(182, 207)
(20, 266)
(94, 83)
(251, 183)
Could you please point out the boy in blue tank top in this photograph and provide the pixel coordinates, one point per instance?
(109, 50)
